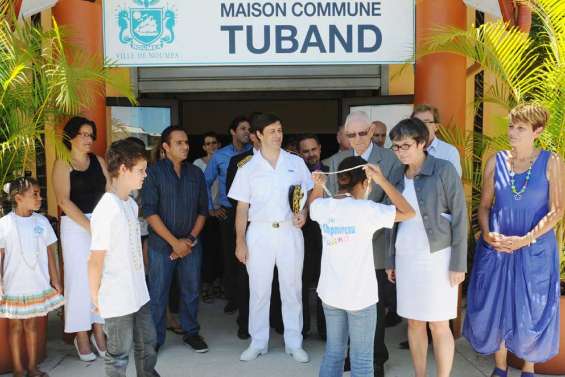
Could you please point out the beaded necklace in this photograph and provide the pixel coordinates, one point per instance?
(36, 230)
(518, 194)
(134, 235)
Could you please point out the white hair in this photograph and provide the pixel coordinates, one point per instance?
(357, 116)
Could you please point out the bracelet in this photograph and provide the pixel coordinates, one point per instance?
(531, 238)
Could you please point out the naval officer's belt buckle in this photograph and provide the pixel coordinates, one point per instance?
(276, 225)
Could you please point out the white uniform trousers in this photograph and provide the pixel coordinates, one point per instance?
(279, 244)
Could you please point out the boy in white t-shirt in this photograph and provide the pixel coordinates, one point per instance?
(348, 286)
(115, 266)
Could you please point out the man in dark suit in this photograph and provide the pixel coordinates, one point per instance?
(359, 131)
(310, 150)
(242, 279)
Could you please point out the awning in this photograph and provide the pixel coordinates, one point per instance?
(30, 7)
(487, 6)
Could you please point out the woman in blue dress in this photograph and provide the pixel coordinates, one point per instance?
(513, 296)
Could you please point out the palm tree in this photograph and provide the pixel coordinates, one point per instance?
(39, 87)
(526, 68)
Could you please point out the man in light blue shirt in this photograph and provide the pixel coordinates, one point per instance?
(217, 169)
(436, 147)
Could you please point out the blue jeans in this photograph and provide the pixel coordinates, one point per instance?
(359, 327)
(137, 330)
(161, 273)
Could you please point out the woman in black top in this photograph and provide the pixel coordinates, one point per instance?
(79, 184)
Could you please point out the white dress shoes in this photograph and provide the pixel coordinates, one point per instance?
(86, 357)
(298, 354)
(252, 353)
(100, 353)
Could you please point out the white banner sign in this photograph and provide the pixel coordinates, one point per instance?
(261, 32)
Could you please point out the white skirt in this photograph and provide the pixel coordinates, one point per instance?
(75, 241)
(422, 285)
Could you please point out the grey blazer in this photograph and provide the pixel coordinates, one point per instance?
(440, 196)
(387, 161)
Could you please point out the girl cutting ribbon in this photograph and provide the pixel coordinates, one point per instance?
(348, 285)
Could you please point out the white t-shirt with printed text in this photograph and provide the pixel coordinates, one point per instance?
(347, 278)
(115, 229)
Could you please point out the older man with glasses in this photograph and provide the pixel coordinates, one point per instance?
(359, 130)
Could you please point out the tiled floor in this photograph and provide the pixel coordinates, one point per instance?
(219, 329)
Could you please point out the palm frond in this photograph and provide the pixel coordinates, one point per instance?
(506, 52)
(39, 87)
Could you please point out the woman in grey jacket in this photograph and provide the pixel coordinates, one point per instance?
(427, 255)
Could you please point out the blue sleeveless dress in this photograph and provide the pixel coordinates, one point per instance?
(515, 297)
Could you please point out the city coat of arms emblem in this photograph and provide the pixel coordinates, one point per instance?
(146, 27)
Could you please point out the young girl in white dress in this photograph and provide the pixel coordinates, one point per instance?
(29, 282)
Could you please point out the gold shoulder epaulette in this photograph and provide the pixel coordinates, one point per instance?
(244, 161)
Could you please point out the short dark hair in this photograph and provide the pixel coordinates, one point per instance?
(236, 121)
(18, 186)
(413, 128)
(424, 108)
(139, 142)
(209, 134)
(72, 128)
(303, 137)
(166, 134)
(349, 179)
(124, 152)
(260, 121)
(136, 140)
(252, 116)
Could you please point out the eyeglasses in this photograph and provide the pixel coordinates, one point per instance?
(351, 135)
(404, 147)
(210, 143)
(86, 135)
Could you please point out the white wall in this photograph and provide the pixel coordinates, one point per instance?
(388, 114)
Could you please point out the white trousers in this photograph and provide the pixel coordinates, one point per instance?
(75, 242)
(284, 247)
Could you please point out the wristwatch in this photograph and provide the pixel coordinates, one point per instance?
(192, 239)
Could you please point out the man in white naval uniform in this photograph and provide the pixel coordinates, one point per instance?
(273, 236)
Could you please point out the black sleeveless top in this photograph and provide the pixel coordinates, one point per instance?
(87, 187)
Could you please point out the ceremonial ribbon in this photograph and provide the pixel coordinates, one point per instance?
(337, 172)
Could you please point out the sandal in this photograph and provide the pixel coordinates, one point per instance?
(497, 372)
